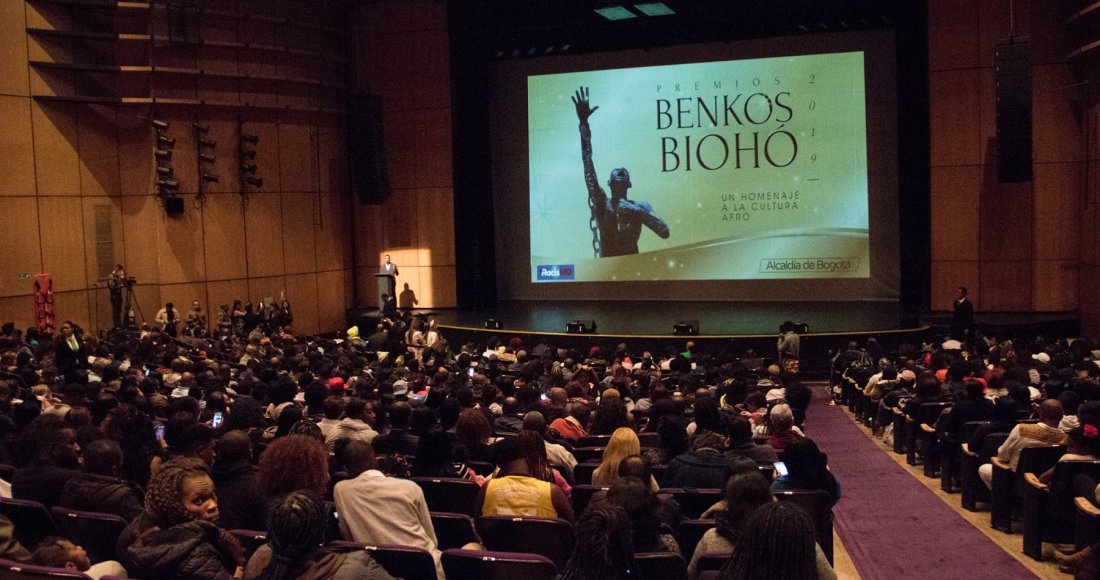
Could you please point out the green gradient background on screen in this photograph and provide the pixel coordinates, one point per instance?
(727, 223)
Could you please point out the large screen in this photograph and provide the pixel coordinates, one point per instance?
(770, 165)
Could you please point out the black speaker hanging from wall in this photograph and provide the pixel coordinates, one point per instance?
(1012, 74)
(366, 149)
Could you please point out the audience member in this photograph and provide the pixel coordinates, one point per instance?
(98, 488)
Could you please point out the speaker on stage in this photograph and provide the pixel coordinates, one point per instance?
(493, 323)
(580, 327)
(686, 328)
(1012, 75)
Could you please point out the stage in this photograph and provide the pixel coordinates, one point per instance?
(721, 325)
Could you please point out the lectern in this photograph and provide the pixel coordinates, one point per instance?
(387, 284)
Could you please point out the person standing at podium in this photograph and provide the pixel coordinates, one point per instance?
(388, 267)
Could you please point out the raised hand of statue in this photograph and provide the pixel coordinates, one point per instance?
(584, 108)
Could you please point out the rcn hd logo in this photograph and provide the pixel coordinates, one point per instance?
(555, 273)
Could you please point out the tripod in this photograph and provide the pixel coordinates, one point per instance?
(130, 299)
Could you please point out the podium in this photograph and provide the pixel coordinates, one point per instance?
(387, 284)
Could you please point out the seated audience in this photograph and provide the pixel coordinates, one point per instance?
(741, 444)
(624, 443)
(702, 467)
(603, 548)
(572, 426)
(399, 439)
(97, 488)
(807, 470)
(514, 490)
(642, 508)
(235, 483)
(776, 542)
(51, 457)
(62, 553)
(1024, 435)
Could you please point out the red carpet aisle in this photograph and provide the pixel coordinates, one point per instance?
(892, 526)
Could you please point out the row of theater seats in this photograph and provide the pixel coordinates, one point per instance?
(1046, 512)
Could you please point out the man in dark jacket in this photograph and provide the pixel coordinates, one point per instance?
(241, 506)
(399, 439)
(98, 488)
(702, 467)
(741, 444)
(52, 457)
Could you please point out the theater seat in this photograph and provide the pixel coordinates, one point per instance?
(694, 501)
(582, 495)
(453, 530)
(818, 505)
(552, 538)
(10, 570)
(399, 561)
(663, 565)
(1049, 510)
(32, 521)
(446, 494)
(480, 565)
(250, 539)
(690, 532)
(97, 533)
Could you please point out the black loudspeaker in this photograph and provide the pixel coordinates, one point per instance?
(366, 149)
(1012, 73)
(581, 327)
(493, 323)
(173, 205)
(686, 328)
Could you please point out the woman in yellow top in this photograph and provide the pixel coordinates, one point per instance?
(624, 443)
(514, 492)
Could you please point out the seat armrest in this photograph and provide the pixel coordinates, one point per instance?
(965, 447)
(924, 427)
(1033, 481)
(996, 461)
(1086, 506)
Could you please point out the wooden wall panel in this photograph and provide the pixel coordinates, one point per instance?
(433, 148)
(223, 235)
(333, 160)
(438, 285)
(401, 162)
(987, 117)
(333, 232)
(19, 245)
(1056, 132)
(296, 158)
(1047, 24)
(301, 291)
(952, 36)
(16, 147)
(141, 224)
(332, 299)
(181, 250)
(224, 292)
(89, 208)
(56, 159)
(1055, 285)
(954, 126)
(1059, 198)
(263, 226)
(13, 48)
(61, 220)
(955, 210)
(137, 140)
(1007, 219)
(948, 276)
(399, 233)
(994, 25)
(18, 309)
(267, 152)
(98, 139)
(299, 246)
(146, 303)
(73, 306)
(435, 226)
(368, 235)
(432, 73)
(181, 295)
(1006, 285)
(260, 289)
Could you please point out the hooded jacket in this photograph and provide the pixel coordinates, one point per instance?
(102, 493)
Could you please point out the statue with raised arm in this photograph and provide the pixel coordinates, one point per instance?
(616, 222)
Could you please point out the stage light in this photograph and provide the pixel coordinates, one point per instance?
(164, 171)
(206, 157)
(249, 138)
(580, 327)
(210, 177)
(686, 328)
(493, 323)
(167, 184)
(205, 142)
(248, 168)
(248, 153)
(166, 141)
(254, 181)
(160, 125)
(201, 128)
(163, 154)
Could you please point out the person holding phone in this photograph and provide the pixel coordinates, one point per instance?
(806, 470)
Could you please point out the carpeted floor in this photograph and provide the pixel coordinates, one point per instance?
(894, 527)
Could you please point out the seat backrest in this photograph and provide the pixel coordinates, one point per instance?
(927, 413)
(582, 495)
(482, 468)
(31, 520)
(548, 537)
(593, 441)
(967, 429)
(990, 444)
(693, 502)
(445, 494)
(690, 532)
(583, 454)
(1038, 459)
(484, 565)
(97, 533)
(713, 561)
(663, 565)
(649, 440)
(10, 570)
(251, 540)
(454, 530)
(1062, 490)
(7, 472)
(818, 505)
(582, 472)
(399, 561)
(768, 471)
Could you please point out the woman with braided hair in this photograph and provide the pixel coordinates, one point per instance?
(603, 550)
(534, 449)
(778, 543)
(295, 531)
(177, 536)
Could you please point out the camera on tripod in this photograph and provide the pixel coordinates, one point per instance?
(130, 280)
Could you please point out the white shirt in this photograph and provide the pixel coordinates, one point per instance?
(377, 509)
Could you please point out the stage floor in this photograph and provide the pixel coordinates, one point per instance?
(657, 318)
